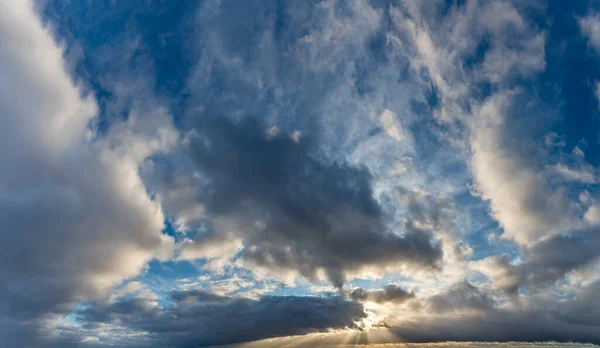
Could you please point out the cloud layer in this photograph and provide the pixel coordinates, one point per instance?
(220, 172)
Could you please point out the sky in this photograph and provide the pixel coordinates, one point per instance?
(299, 173)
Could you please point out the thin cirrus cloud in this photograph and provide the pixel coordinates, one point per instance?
(310, 173)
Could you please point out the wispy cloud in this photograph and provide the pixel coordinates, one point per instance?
(184, 174)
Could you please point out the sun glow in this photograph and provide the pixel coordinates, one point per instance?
(345, 339)
(372, 319)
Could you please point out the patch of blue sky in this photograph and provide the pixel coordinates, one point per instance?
(568, 83)
(167, 271)
(379, 282)
(155, 41)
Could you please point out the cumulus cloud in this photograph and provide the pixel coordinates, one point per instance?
(531, 200)
(521, 197)
(501, 270)
(211, 248)
(76, 218)
(546, 262)
(435, 145)
(296, 211)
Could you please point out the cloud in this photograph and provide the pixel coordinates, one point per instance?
(295, 211)
(469, 47)
(582, 308)
(211, 248)
(586, 175)
(75, 216)
(390, 125)
(501, 270)
(503, 326)
(467, 312)
(545, 262)
(462, 296)
(590, 28)
(390, 293)
(461, 313)
(311, 144)
(198, 318)
(521, 198)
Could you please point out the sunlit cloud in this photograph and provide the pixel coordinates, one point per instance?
(299, 174)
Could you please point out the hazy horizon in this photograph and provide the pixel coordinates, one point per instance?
(360, 339)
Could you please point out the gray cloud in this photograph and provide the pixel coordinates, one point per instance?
(197, 318)
(500, 326)
(545, 262)
(583, 308)
(503, 129)
(295, 210)
(299, 205)
(389, 293)
(463, 312)
(462, 296)
(320, 138)
(75, 218)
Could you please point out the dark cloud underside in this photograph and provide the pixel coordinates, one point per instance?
(296, 210)
(197, 318)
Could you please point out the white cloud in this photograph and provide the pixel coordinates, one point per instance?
(216, 249)
(519, 194)
(61, 184)
(583, 175)
(76, 215)
(504, 156)
(592, 215)
(590, 27)
(499, 269)
(390, 124)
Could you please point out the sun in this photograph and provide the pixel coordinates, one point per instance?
(372, 319)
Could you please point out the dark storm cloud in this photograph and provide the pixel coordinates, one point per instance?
(390, 293)
(298, 211)
(196, 318)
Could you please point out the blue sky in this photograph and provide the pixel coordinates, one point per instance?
(182, 174)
